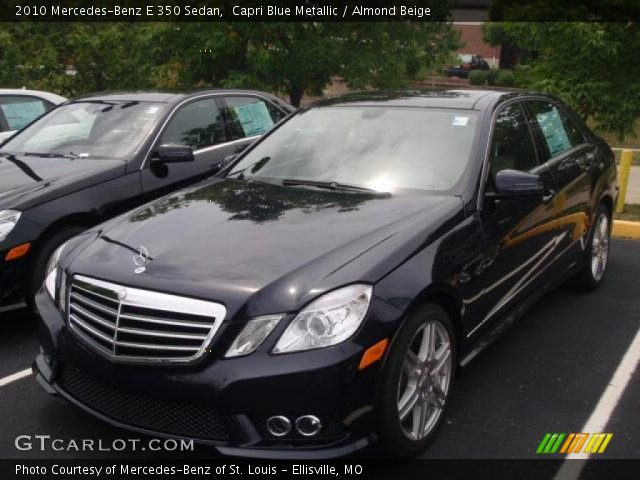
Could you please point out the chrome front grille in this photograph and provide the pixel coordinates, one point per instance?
(135, 325)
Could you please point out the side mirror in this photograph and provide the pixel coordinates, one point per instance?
(173, 153)
(515, 183)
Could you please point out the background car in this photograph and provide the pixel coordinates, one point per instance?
(18, 108)
(319, 293)
(467, 62)
(100, 155)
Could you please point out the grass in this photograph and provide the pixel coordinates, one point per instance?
(636, 157)
(630, 141)
(631, 213)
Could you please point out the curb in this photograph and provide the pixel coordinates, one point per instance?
(626, 229)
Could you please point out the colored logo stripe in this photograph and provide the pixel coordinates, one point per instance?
(574, 443)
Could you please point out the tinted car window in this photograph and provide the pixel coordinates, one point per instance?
(20, 111)
(511, 146)
(249, 116)
(559, 132)
(197, 124)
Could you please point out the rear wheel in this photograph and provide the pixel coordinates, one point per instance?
(42, 258)
(597, 252)
(416, 384)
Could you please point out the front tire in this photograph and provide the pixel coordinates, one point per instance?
(416, 382)
(597, 251)
(41, 258)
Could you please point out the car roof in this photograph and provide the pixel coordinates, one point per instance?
(169, 96)
(50, 97)
(428, 98)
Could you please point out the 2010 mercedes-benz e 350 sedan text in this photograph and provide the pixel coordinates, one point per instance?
(319, 293)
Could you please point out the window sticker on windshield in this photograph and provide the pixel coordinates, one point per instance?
(152, 110)
(254, 117)
(554, 132)
(460, 121)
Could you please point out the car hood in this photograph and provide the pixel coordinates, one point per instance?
(261, 248)
(26, 181)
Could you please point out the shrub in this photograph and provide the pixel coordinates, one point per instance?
(505, 78)
(478, 77)
(492, 75)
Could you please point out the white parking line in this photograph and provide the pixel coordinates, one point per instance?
(16, 376)
(600, 416)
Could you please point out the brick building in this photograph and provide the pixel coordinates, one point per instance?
(468, 17)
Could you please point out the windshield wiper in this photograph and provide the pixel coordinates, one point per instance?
(22, 166)
(70, 155)
(52, 155)
(290, 182)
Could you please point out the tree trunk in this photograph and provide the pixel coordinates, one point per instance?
(295, 95)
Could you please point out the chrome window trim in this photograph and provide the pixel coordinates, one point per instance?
(153, 300)
(183, 102)
(226, 144)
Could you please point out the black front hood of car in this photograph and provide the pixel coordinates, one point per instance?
(26, 181)
(262, 247)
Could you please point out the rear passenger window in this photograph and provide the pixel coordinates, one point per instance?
(197, 124)
(559, 132)
(511, 146)
(20, 111)
(249, 116)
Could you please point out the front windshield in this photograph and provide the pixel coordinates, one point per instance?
(93, 129)
(388, 149)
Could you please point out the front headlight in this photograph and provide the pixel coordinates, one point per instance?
(331, 319)
(252, 335)
(8, 221)
(51, 273)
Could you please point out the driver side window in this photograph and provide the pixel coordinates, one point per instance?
(511, 145)
(197, 124)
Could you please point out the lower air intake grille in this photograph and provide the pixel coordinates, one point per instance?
(136, 325)
(172, 418)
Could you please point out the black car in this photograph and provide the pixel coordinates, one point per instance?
(466, 63)
(319, 293)
(101, 155)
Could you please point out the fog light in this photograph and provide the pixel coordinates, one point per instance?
(279, 426)
(308, 425)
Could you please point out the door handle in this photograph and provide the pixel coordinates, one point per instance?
(550, 195)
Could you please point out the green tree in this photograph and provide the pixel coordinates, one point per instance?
(299, 58)
(74, 58)
(591, 65)
(289, 57)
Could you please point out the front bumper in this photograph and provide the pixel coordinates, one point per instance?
(221, 402)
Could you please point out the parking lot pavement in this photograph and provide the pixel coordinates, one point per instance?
(546, 374)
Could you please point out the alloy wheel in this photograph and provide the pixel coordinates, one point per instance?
(424, 380)
(600, 246)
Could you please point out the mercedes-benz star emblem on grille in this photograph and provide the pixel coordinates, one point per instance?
(141, 258)
(122, 294)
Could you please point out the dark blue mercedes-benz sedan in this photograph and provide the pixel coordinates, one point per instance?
(317, 295)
